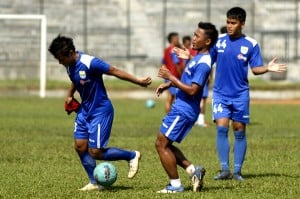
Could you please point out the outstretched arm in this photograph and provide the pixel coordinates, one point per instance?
(145, 81)
(182, 53)
(189, 89)
(271, 67)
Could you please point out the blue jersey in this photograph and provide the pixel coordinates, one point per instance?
(196, 71)
(87, 78)
(232, 57)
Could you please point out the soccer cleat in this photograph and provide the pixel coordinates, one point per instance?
(91, 187)
(134, 165)
(171, 189)
(238, 177)
(197, 178)
(223, 175)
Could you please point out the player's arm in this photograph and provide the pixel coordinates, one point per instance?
(189, 89)
(144, 81)
(271, 67)
(182, 53)
(70, 93)
(161, 88)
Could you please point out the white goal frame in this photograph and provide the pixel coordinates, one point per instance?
(43, 55)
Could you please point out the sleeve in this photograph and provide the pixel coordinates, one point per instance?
(99, 66)
(201, 74)
(175, 59)
(256, 59)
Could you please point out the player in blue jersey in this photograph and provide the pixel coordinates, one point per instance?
(232, 53)
(95, 117)
(184, 112)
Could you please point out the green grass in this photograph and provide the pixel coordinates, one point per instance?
(116, 84)
(37, 159)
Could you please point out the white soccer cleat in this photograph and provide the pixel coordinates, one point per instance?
(134, 165)
(91, 187)
(170, 189)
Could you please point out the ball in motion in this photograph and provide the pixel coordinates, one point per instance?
(105, 174)
(150, 103)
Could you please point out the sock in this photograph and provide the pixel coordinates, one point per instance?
(190, 169)
(223, 146)
(113, 153)
(240, 147)
(89, 165)
(175, 182)
(200, 120)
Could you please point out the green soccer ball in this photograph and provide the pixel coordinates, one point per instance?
(105, 174)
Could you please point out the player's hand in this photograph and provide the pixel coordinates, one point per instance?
(275, 67)
(161, 88)
(69, 100)
(71, 105)
(164, 72)
(145, 81)
(182, 53)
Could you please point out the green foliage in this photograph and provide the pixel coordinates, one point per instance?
(37, 159)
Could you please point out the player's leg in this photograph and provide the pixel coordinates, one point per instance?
(100, 129)
(241, 118)
(221, 115)
(81, 147)
(196, 173)
(168, 161)
(201, 118)
(171, 92)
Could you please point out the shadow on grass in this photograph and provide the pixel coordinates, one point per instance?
(264, 175)
(117, 188)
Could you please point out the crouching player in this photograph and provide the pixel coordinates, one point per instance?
(184, 112)
(95, 117)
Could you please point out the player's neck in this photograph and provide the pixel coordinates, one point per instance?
(203, 51)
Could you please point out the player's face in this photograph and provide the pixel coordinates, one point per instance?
(187, 43)
(234, 27)
(175, 41)
(66, 60)
(200, 40)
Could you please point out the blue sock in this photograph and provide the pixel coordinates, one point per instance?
(89, 165)
(240, 147)
(223, 146)
(113, 153)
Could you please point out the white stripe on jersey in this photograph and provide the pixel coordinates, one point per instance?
(172, 125)
(86, 60)
(98, 136)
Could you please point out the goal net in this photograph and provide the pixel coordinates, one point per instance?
(23, 51)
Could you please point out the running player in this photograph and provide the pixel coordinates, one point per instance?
(179, 121)
(95, 117)
(233, 52)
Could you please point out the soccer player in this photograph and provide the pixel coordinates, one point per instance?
(186, 42)
(174, 64)
(233, 52)
(94, 119)
(184, 112)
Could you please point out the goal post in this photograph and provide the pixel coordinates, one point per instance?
(43, 43)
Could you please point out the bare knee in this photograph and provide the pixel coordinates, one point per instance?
(81, 146)
(96, 153)
(161, 142)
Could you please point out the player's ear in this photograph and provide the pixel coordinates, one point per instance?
(208, 42)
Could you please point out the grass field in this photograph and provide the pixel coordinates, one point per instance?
(37, 159)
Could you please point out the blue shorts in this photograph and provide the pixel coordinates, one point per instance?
(176, 126)
(234, 110)
(96, 129)
(205, 90)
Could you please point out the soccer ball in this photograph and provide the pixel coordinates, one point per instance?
(105, 174)
(150, 103)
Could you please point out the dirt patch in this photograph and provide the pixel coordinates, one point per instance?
(263, 101)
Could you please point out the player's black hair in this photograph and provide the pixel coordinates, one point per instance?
(237, 13)
(186, 38)
(171, 35)
(223, 30)
(61, 45)
(210, 31)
